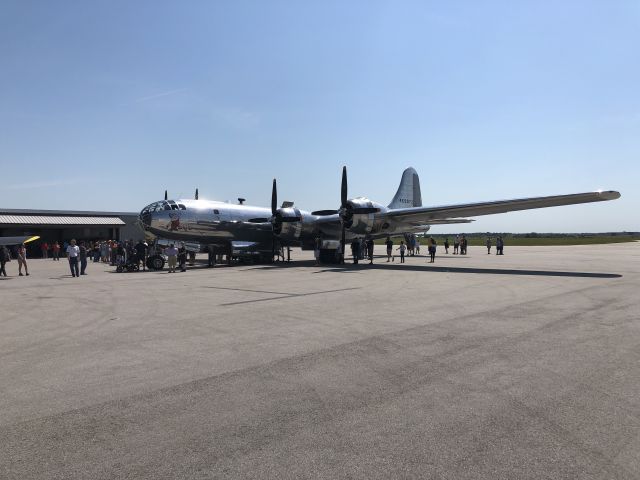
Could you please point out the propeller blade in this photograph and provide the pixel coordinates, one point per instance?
(274, 198)
(343, 189)
(324, 213)
(165, 195)
(343, 240)
(196, 194)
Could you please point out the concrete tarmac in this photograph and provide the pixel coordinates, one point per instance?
(524, 366)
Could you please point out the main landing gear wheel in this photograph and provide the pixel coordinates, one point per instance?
(155, 262)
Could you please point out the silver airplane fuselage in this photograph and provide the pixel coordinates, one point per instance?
(219, 223)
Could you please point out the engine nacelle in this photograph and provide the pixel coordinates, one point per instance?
(290, 231)
(358, 222)
(290, 225)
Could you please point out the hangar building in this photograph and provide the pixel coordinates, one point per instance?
(61, 225)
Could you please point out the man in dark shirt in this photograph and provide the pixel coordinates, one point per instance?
(355, 250)
(370, 250)
(141, 253)
(389, 244)
(83, 258)
(5, 257)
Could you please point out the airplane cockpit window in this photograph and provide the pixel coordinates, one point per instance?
(163, 206)
(216, 212)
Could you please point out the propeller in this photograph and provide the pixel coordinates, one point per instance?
(343, 208)
(348, 208)
(165, 195)
(196, 194)
(280, 215)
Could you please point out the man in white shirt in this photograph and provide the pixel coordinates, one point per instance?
(73, 251)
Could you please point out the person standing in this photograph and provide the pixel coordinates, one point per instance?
(432, 250)
(45, 250)
(55, 251)
(182, 258)
(22, 260)
(402, 249)
(141, 251)
(5, 257)
(499, 246)
(121, 254)
(83, 258)
(489, 245)
(355, 250)
(172, 258)
(456, 245)
(446, 245)
(73, 252)
(316, 250)
(370, 246)
(463, 245)
(389, 244)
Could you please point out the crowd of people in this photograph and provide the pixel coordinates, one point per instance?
(363, 249)
(121, 253)
(79, 254)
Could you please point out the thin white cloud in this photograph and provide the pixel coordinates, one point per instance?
(61, 182)
(160, 95)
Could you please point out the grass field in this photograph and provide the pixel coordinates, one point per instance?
(509, 240)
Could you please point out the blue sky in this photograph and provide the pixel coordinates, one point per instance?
(104, 105)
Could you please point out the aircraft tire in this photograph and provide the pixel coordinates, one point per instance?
(155, 262)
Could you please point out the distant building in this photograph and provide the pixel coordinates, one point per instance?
(61, 225)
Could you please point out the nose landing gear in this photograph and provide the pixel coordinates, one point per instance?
(155, 262)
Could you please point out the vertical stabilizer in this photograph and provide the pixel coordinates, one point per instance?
(408, 194)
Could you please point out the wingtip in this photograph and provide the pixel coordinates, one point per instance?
(609, 194)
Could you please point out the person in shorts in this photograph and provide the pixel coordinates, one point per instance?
(22, 260)
(389, 244)
(172, 258)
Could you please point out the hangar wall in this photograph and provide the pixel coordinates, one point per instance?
(63, 225)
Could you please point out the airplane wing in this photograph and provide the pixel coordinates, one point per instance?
(448, 221)
(18, 240)
(427, 215)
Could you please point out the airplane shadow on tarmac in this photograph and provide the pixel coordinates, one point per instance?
(383, 265)
(490, 271)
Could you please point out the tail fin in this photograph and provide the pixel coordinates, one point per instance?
(408, 194)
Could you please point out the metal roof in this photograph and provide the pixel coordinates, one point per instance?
(31, 211)
(58, 220)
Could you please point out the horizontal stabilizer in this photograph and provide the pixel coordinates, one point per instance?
(18, 240)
